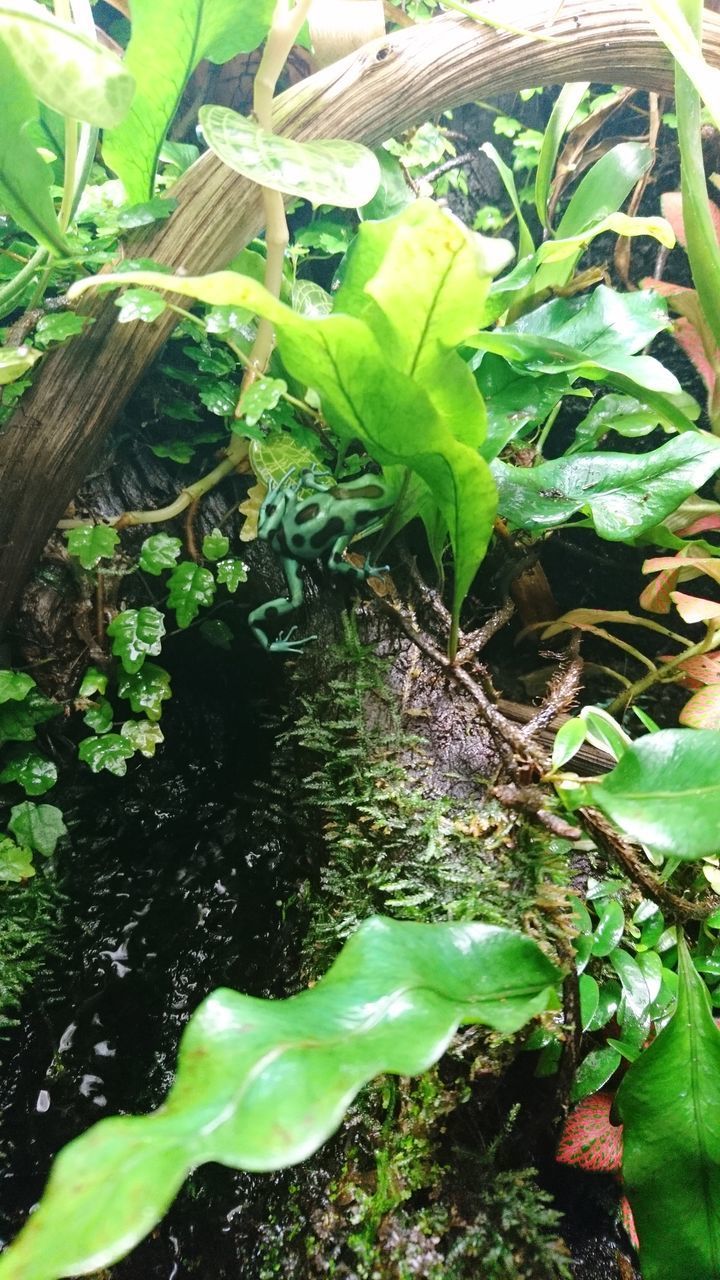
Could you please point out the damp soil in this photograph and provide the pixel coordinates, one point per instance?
(176, 880)
(173, 885)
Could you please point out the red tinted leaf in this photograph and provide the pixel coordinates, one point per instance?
(703, 709)
(671, 205)
(629, 1222)
(702, 525)
(670, 570)
(695, 608)
(704, 668)
(588, 1139)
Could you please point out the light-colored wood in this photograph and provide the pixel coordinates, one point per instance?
(383, 89)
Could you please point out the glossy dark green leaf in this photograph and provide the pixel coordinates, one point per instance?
(589, 999)
(139, 304)
(33, 772)
(92, 543)
(669, 1104)
(168, 41)
(608, 1002)
(215, 545)
(393, 194)
(594, 1071)
(634, 1011)
(159, 552)
(19, 720)
(622, 414)
(137, 634)
(515, 401)
(37, 826)
(191, 587)
(624, 495)
(146, 689)
(651, 968)
(665, 792)
(99, 715)
(609, 929)
(582, 943)
(14, 686)
(111, 752)
(262, 1083)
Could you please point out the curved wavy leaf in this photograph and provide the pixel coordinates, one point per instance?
(262, 1083)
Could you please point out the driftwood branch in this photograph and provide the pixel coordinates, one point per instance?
(389, 85)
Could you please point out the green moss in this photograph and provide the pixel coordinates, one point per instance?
(28, 924)
(406, 1198)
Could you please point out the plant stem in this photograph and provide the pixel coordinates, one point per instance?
(660, 675)
(14, 288)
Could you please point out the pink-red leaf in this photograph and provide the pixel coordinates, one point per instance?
(703, 709)
(588, 1139)
(694, 608)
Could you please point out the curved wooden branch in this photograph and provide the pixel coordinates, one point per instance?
(383, 89)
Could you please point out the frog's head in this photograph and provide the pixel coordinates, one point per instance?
(272, 513)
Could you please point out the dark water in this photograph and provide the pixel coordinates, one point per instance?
(175, 884)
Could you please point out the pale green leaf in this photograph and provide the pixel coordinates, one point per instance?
(38, 826)
(168, 41)
(69, 71)
(25, 179)
(15, 862)
(142, 735)
(15, 361)
(345, 174)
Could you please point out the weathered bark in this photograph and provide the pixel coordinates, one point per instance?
(386, 87)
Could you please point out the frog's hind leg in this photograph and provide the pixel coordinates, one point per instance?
(338, 564)
(277, 609)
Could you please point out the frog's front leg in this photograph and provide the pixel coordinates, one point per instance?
(276, 609)
(338, 564)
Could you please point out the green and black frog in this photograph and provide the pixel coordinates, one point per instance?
(302, 526)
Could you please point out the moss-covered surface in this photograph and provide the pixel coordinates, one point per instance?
(418, 1182)
(29, 917)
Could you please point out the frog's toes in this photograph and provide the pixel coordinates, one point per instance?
(284, 643)
(375, 570)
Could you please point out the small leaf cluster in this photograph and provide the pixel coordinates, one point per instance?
(136, 636)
